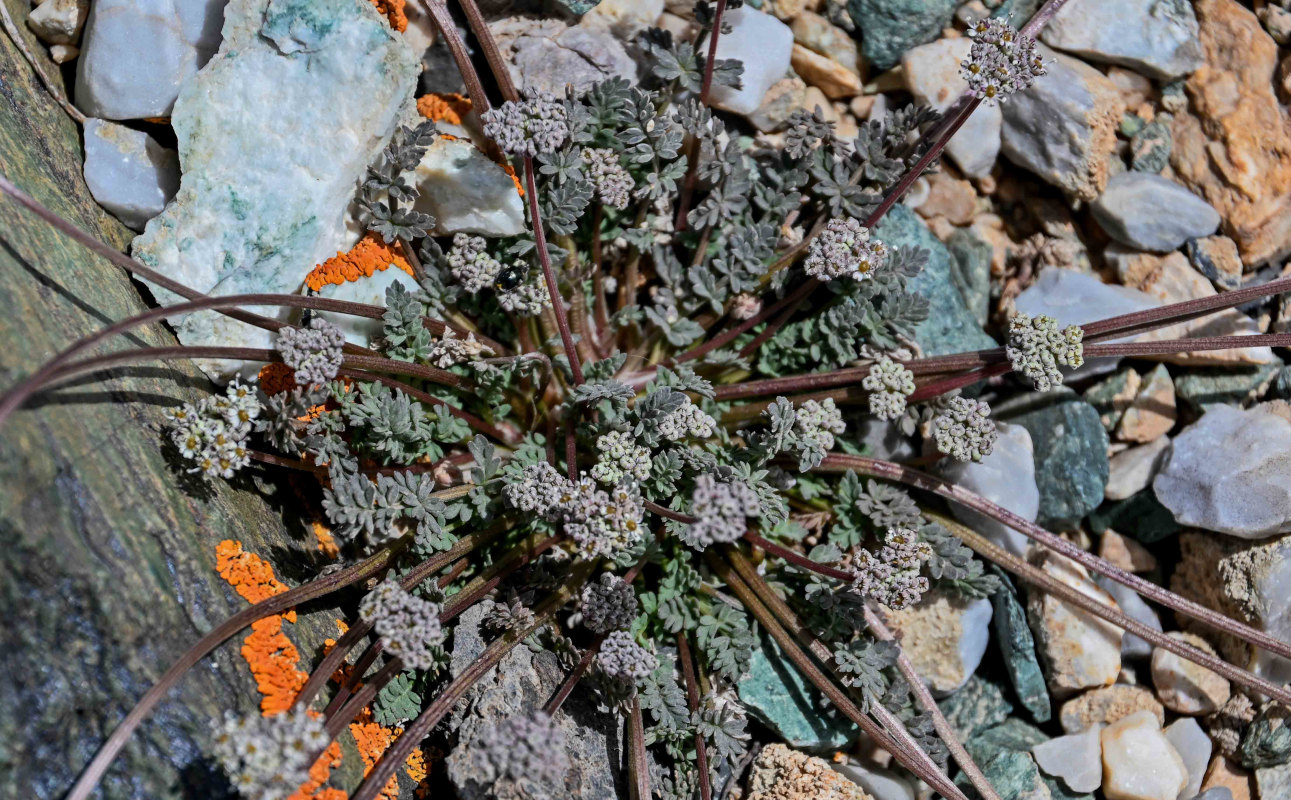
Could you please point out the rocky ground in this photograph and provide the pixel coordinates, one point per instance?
(1151, 165)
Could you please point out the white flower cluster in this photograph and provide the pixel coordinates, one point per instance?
(1001, 61)
(889, 384)
(409, 625)
(613, 183)
(609, 604)
(892, 577)
(450, 350)
(471, 264)
(213, 433)
(536, 124)
(964, 430)
(268, 758)
(844, 249)
(622, 659)
(722, 511)
(600, 522)
(689, 421)
(621, 458)
(819, 422)
(523, 748)
(1036, 347)
(314, 353)
(745, 306)
(528, 299)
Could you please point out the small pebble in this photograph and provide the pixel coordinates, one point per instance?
(1139, 763)
(1183, 686)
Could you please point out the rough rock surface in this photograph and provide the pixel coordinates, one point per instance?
(1107, 705)
(1234, 148)
(1070, 446)
(1078, 649)
(1131, 471)
(548, 54)
(781, 773)
(777, 694)
(257, 206)
(135, 57)
(1017, 646)
(128, 172)
(888, 28)
(1063, 128)
(1152, 213)
(932, 74)
(944, 637)
(1157, 38)
(1185, 687)
(466, 192)
(1230, 472)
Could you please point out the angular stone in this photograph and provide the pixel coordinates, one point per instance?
(1224, 776)
(1017, 645)
(128, 172)
(1007, 478)
(832, 78)
(979, 704)
(1158, 39)
(1070, 453)
(1185, 687)
(371, 290)
(1152, 413)
(1063, 128)
(1107, 705)
(1234, 149)
(1078, 649)
(882, 784)
(1216, 257)
(549, 54)
(1130, 472)
(945, 637)
(1076, 758)
(780, 773)
(785, 96)
(1202, 389)
(466, 192)
(1152, 213)
(889, 28)
(1150, 147)
(258, 204)
(1136, 608)
(764, 45)
(1230, 472)
(971, 270)
(950, 327)
(1193, 746)
(775, 692)
(136, 56)
(58, 21)
(1141, 516)
(623, 18)
(1014, 775)
(932, 74)
(1111, 396)
(818, 34)
(1139, 763)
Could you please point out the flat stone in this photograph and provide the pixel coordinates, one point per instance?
(977, 705)
(1130, 472)
(1076, 758)
(1125, 553)
(831, 77)
(1234, 148)
(1135, 607)
(1007, 478)
(258, 205)
(950, 326)
(945, 637)
(1139, 763)
(881, 784)
(1185, 687)
(785, 96)
(775, 692)
(1070, 453)
(1152, 413)
(1152, 213)
(1202, 389)
(1063, 128)
(1193, 746)
(466, 192)
(549, 54)
(58, 21)
(1078, 650)
(818, 34)
(128, 172)
(889, 28)
(1158, 39)
(1107, 705)
(136, 56)
(1111, 396)
(971, 270)
(1217, 258)
(932, 74)
(1017, 646)
(764, 45)
(780, 773)
(1230, 472)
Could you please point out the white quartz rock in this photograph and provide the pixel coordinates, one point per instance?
(763, 44)
(1193, 746)
(273, 145)
(1130, 471)
(1139, 763)
(1076, 758)
(1005, 477)
(1079, 649)
(1135, 608)
(623, 18)
(1185, 687)
(1230, 471)
(932, 74)
(945, 637)
(137, 54)
(466, 192)
(128, 172)
(370, 290)
(58, 21)
(880, 784)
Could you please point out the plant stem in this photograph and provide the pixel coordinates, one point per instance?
(277, 604)
(344, 715)
(549, 275)
(509, 437)
(638, 762)
(574, 676)
(490, 47)
(692, 703)
(50, 86)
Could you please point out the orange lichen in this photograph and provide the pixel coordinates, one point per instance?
(510, 170)
(250, 576)
(393, 11)
(312, 789)
(276, 377)
(448, 107)
(326, 542)
(370, 255)
(273, 659)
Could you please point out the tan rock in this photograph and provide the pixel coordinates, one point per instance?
(949, 197)
(1125, 553)
(1079, 649)
(1135, 89)
(1152, 414)
(1230, 776)
(1234, 149)
(1107, 705)
(944, 636)
(781, 100)
(1183, 686)
(781, 773)
(832, 78)
(819, 35)
(815, 100)
(1139, 763)
(788, 9)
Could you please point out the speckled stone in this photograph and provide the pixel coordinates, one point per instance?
(888, 28)
(776, 693)
(1107, 705)
(1017, 645)
(1070, 453)
(1078, 650)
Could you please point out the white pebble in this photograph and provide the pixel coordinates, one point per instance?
(1139, 763)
